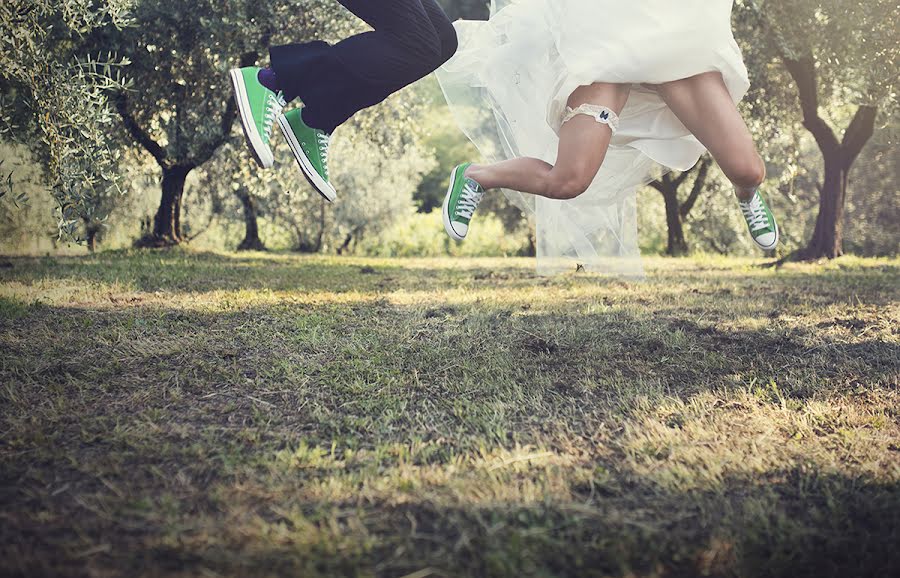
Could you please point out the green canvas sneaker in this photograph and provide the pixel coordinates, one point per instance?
(310, 148)
(463, 197)
(258, 107)
(760, 221)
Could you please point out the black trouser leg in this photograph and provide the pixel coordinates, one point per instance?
(411, 38)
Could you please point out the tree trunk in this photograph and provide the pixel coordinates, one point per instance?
(676, 243)
(320, 237)
(676, 211)
(351, 236)
(251, 241)
(828, 237)
(91, 239)
(839, 155)
(167, 222)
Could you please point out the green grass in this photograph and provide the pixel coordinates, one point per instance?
(186, 414)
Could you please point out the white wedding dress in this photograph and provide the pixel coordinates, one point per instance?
(509, 82)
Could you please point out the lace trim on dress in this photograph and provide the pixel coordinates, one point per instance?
(602, 114)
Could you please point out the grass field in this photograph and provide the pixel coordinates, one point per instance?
(186, 414)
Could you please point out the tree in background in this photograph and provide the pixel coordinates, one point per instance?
(842, 56)
(53, 97)
(180, 108)
(380, 163)
(233, 171)
(677, 211)
(378, 159)
(450, 146)
(377, 163)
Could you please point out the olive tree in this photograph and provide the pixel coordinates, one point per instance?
(670, 186)
(179, 107)
(842, 57)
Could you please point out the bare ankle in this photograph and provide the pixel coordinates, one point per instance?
(476, 173)
(744, 193)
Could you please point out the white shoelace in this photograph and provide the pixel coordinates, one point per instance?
(324, 143)
(469, 199)
(274, 105)
(755, 213)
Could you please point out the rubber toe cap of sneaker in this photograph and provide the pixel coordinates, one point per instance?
(767, 241)
(461, 229)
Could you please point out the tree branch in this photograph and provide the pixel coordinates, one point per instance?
(137, 133)
(699, 182)
(205, 153)
(227, 118)
(678, 181)
(661, 187)
(803, 71)
(861, 129)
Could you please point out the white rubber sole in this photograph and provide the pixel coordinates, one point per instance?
(261, 152)
(445, 210)
(318, 183)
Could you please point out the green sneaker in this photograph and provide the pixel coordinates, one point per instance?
(310, 148)
(462, 199)
(258, 107)
(760, 221)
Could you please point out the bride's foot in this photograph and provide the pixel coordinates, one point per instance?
(760, 221)
(463, 196)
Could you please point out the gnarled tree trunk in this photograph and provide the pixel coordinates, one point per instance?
(839, 155)
(91, 234)
(167, 222)
(251, 241)
(676, 244)
(828, 237)
(676, 211)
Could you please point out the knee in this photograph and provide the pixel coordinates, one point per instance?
(571, 185)
(441, 48)
(429, 55)
(449, 41)
(750, 172)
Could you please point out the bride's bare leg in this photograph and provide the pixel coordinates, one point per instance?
(582, 147)
(706, 108)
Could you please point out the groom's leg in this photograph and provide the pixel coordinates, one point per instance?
(411, 38)
(445, 30)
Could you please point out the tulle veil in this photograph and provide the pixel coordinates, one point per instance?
(597, 231)
(508, 84)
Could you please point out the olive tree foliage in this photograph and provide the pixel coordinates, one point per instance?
(379, 164)
(842, 57)
(873, 219)
(54, 97)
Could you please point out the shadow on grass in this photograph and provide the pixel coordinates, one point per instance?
(140, 441)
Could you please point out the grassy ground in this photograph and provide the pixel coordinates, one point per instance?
(183, 414)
